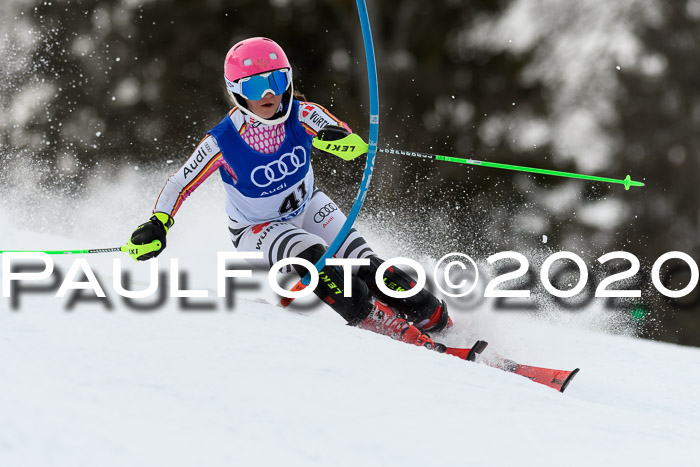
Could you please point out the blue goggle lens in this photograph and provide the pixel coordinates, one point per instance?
(255, 87)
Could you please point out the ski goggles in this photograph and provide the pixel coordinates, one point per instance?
(255, 87)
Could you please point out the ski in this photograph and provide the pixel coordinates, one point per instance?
(465, 354)
(557, 379)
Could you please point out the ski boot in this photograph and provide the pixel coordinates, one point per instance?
(383, 320)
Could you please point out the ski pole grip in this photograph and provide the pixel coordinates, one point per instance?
(339, 142)
(136, 251)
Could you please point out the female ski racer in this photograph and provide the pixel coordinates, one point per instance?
(261, 150)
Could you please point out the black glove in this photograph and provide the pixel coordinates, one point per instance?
(148, 240)
(332, 133)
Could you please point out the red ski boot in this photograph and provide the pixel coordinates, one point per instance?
(383, 320)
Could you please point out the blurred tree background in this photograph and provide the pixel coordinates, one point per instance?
(606, 88)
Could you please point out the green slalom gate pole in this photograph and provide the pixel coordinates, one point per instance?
(627, 182)
(353, 146)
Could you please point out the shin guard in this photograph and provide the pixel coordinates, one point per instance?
(330, 288)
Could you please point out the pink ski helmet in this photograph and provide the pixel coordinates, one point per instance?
(255, 56)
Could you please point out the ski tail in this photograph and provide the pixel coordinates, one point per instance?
(557, 379)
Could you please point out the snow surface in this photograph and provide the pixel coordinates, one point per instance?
(260, 385)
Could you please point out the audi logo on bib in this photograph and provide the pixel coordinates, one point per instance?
(264, 175)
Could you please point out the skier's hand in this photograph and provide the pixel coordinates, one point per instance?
(332, 133)
(339, 141)
(148, 240)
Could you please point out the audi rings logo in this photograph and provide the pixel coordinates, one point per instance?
(264, 175)
(324, 212)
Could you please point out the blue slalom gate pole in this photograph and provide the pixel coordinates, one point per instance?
(371, 153)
